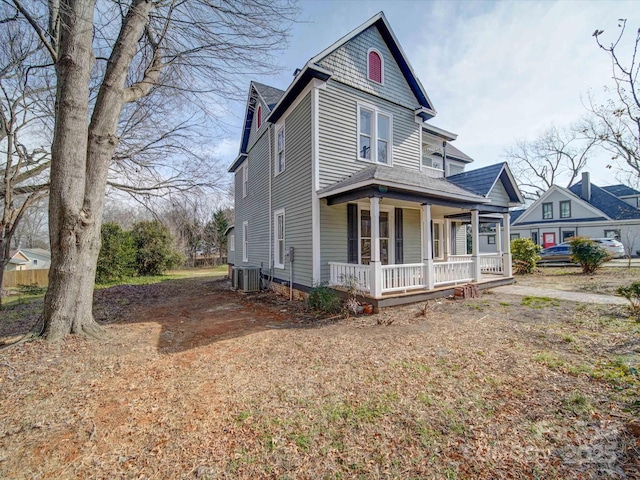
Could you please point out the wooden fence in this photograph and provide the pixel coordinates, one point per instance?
(25, 277)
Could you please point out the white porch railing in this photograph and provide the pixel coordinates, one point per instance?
(452, 272)
(489, 262)
(339, 272)
(458, 258)
(397, 278)
(402, 277)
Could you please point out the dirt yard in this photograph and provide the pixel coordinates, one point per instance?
(201, 382)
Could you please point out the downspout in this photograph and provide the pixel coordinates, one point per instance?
(444, 158)
(270, 214)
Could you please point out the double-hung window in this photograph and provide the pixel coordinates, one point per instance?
(245, 179)
(374, 135)
(280, 147)
(565, 209)
(547, 211)
(278, 238)
(245, 241)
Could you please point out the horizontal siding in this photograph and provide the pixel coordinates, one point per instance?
(292, 191)
(254, 207)
(231, 254)
(455, 167)
(578, 210)
(333, 240)
(412, 236)
(499, 195)
(349, 65)
(461, 239)
(338, 132)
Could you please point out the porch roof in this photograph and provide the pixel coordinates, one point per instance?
(388, 181)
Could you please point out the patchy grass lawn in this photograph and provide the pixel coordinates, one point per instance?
(201, 382)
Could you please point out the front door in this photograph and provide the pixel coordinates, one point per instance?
(548, 239)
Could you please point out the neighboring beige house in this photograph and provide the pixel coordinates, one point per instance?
(584, 209)
(29, 259)
(17, 261)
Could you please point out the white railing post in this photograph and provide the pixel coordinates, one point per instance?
(427, 250)
(475, 244)
(507, 269)
(498, 239)
(376, 270)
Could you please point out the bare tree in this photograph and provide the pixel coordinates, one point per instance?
(199, 48)
(616, 123)
(32, 232)
(555, 157)
(23, 122)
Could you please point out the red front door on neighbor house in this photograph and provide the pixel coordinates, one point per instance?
(548, 239)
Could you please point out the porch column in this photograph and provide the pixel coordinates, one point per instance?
(498, 239)
(376, 266)
(427, 248)
(447, 239)
(475, 243)
(507, 269)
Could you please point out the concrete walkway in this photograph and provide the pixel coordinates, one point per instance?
(583, 297)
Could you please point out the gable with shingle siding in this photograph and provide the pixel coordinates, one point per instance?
(349, 65)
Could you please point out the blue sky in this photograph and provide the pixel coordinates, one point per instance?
(495, 71)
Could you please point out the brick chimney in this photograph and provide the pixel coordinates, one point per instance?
(586, 187)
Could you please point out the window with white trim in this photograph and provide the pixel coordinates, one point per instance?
(232, 243)
(374, 135)
(612, 234)
(245, 179)
(245, 241)
(278, 238)
(375, 66)
(280, 148)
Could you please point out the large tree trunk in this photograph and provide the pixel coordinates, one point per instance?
(73, 242)
(81, 156)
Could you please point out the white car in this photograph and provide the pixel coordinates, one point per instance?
(611, 245)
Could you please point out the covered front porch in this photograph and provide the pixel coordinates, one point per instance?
(439, 266)
(397, 232)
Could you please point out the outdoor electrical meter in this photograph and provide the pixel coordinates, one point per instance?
(288, 256)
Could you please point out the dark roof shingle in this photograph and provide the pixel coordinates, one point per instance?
(402, 176)
(621, 190)
(607, 203)
(478, 181)
(270, 95)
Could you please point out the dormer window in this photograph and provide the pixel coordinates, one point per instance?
(375, 66)
(259, 115)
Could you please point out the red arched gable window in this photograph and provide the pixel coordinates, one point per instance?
(375, 66)
(259, 115)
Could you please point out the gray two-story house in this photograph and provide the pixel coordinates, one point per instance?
(347, 168)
